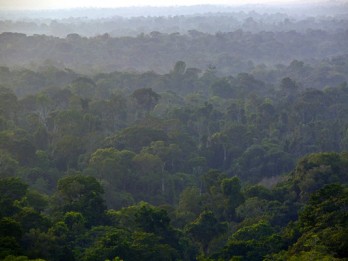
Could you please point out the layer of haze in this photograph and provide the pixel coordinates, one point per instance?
(54, 4)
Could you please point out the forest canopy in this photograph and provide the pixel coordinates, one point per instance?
(228, 143)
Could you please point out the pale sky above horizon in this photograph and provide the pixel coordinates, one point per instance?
(60, 4)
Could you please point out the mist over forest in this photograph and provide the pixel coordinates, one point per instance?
(174, 133)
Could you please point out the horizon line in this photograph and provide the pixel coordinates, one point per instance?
(278, 3)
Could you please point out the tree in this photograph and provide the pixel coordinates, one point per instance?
(223, 89)
(74, 221)
(31, 219)
(289, 87)
(105, 162)
(43, 108)
(8, 165)
(314, 171)
(150, 175)
(8, 103)
(263, 160)
(18, 143)
(9, 246)
(135, 138)
(327, 206)
(66, 152)
(190, 201)
(212, 180)
(83, 87)
(169, 154)
(121, 244)
(146, 99)
(114, 243)
(151, 236)
(221, 139)
(36, 200)
(179, 68)
(252, 242)
(10, 228)
(11, 190)
(10, 236)
(231, 189)
(204, 229)
(303, 256)
(81, 194)
(116, 170)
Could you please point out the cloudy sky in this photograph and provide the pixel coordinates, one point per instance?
(52, 4)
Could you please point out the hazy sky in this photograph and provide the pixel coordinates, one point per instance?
(48, 4)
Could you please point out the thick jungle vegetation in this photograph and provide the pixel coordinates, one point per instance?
(225, 146)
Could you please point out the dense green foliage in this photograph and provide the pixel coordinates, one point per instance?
(230, 52)
(190, 164)
(72, 224)
(77, 166)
